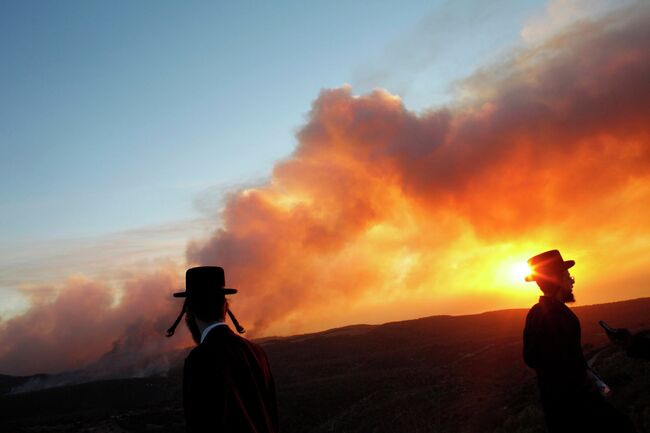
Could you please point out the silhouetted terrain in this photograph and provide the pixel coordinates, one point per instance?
(436, 374)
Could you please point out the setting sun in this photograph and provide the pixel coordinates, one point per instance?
(517, 272)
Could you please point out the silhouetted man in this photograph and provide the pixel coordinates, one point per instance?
(227, 381)
(552, 347)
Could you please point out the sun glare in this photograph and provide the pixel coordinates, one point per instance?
(518, 271)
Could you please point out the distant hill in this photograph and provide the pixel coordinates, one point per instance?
(435, 374)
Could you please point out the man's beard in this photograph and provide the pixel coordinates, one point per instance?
(194, 329)
(568, 297)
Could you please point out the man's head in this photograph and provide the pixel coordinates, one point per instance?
(551, 273)
(205, 298)
(207, 308)
(200, 313)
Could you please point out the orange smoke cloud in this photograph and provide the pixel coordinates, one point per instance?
(72, 327)
(383, 213)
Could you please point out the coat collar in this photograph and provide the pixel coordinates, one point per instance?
(215, 332)
(210, 328)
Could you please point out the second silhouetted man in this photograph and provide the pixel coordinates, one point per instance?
(227, 381)
(570, 396)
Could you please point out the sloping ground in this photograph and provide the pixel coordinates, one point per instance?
(437, 374)
(628, 378)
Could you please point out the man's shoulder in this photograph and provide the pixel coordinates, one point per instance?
(535, 310)
(197, 354)
(255, 347)
(220, 338)
(238, 340)
(545, 306)
(210, 348)
(537, 315)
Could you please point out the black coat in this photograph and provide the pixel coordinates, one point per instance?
(228, 386)
(552, 347)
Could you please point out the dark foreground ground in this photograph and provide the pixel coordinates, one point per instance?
(437, 374)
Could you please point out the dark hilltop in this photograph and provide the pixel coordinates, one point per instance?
(436, 374)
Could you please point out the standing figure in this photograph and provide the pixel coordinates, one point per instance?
(570, 396)
(227, 381)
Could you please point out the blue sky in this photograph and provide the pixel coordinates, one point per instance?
(134, 116)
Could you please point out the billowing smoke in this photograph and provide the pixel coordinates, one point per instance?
(82, 321)
(382, 213)
(379, 205)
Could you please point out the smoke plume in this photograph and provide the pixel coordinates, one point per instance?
(74, 326)
(379, 205)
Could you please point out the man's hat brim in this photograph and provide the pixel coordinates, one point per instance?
(225, 291)
(567, 264)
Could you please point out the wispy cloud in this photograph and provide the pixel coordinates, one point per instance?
(454, 38)
(560, 15)
(32, 262)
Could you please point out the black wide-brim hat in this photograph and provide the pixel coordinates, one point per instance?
(205, 280)
(203, 285)
(547, 264)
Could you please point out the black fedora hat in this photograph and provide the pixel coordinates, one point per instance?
(204, 280)
(203, 284)
(547, 265)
